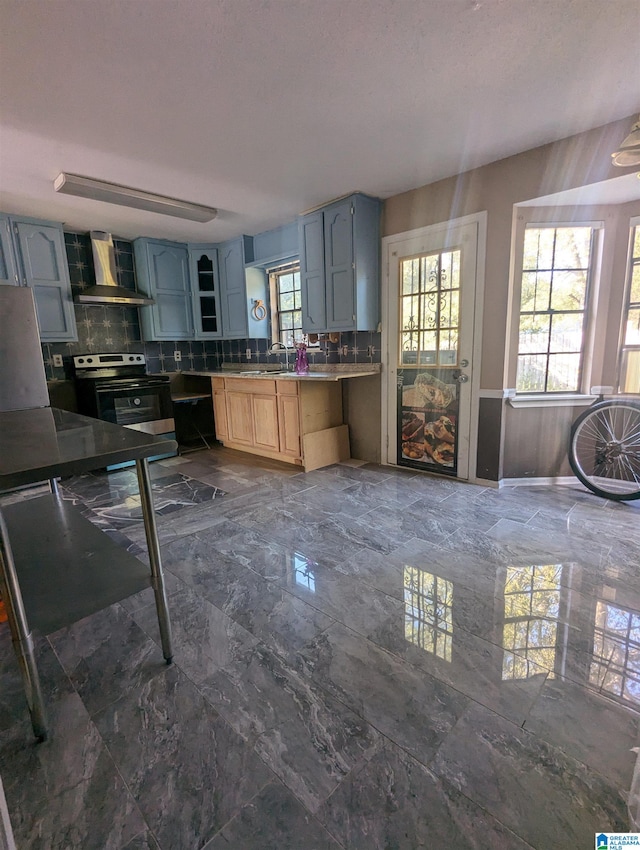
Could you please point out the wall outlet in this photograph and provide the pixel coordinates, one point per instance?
(248, 354)
(57, 359)
(344, 350)
(370, 350)
(177, 356)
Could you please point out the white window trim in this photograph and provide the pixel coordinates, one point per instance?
(634, 222)
(522, 222)
(552, 400)
(272, 275)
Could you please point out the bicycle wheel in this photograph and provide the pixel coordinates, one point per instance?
(604, 450)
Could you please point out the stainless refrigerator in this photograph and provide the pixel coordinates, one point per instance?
(23, 383)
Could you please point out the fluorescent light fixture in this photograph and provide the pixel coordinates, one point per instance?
(112, 193)
(629, 153)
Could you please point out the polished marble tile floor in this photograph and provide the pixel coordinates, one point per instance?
(364, 658)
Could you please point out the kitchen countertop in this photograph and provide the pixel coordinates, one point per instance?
(45, 443)
(339, 372)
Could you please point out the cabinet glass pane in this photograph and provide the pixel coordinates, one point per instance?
(205, 274)
(209, 324)
(208, 307)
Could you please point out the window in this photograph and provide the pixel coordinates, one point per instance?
(630, 359)
(286, 305)
(556, 270)
(429, 309)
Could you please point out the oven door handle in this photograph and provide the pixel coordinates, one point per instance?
(119, 388)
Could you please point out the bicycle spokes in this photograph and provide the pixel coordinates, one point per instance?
(605, 449)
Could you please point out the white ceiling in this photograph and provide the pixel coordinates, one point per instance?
(265, 108)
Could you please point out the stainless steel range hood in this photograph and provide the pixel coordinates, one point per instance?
(106, 289)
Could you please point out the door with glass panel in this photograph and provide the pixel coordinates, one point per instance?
(431, 309)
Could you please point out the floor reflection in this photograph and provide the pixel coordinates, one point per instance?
(615, 668)
(531, 611)
(428, 611)
(303, 573)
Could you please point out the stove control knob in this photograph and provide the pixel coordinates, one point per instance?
(131, 358)
(89, 359)
(138, 357)
(137, 402)
(80, 359)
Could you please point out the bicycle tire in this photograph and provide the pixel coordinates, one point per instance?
(604, 449)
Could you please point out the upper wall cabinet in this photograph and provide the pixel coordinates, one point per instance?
(205, 291)
(272, 247)
(240, 291)
(234, 297)
(33, 254)
(339, 266)
(163, 273)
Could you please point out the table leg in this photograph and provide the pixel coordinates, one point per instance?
(20, 634)
(157, 577)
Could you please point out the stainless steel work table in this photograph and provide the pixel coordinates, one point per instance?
(55, 566)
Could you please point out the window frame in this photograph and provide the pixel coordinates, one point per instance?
(624, 347)
(274, 273)
(587, 311)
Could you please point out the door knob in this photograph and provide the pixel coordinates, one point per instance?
(462, 379)
(464, 363)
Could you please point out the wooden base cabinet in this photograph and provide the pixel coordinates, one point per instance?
(240, 418)
(289, 425)
(265, 422)
(298, 422)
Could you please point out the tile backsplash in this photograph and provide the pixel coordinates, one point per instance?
(109, 328)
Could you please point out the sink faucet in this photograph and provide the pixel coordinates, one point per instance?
(277, 347)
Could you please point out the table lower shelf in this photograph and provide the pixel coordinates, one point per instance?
(67, 567)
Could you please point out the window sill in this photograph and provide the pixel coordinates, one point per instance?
(555, 400)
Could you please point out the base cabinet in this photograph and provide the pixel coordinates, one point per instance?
(240, 418)
(289, 425)
(220, 409)
(265, 422)
(297, 422)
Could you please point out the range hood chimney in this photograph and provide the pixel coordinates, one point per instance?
(106, 290)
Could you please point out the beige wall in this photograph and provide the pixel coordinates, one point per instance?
(570, 163)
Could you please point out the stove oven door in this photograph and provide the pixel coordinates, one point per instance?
(143, 406)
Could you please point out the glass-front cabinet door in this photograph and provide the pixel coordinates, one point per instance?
(205, 290)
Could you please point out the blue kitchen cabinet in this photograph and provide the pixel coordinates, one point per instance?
(241, 290)
(41, 263)
(312, 278)
(162, 269)
(205, 291)
(233, 290)
(8, 268)
(339, 266)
